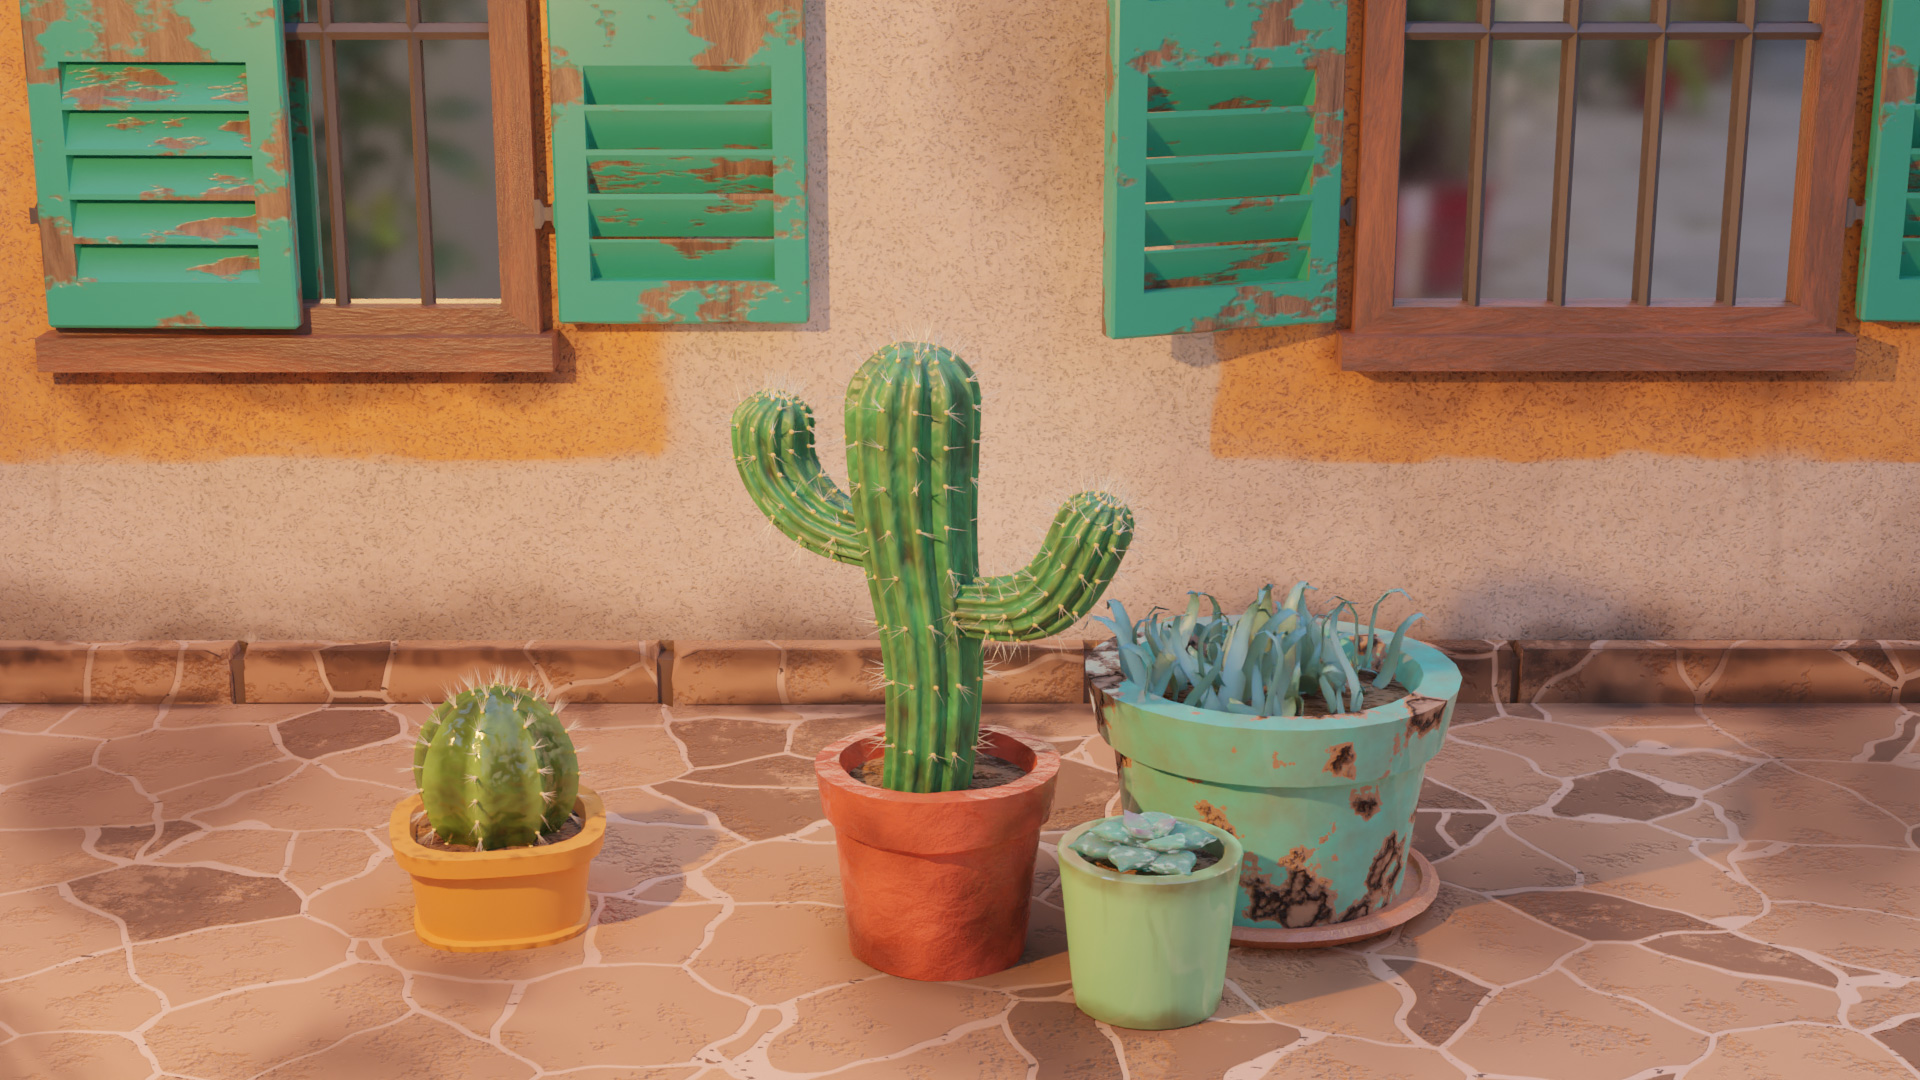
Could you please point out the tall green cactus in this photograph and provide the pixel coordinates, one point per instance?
(913, 441)
(495, 768)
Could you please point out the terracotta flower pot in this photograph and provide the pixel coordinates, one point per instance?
(493, 901)
(937, 885)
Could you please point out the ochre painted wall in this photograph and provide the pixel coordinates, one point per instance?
(955, 186)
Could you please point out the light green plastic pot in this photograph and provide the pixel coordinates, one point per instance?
(1149, 951)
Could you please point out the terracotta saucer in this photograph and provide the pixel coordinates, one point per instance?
(1416, 895)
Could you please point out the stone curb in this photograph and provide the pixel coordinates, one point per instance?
(830, 672)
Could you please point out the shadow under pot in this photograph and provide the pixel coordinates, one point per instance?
(1322, 804)
(1149, 951)
(937, 885)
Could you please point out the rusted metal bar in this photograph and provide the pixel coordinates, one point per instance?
(1477, 165)
(1733, 197)
(1563, 162)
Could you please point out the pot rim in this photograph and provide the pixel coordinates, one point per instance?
(827, 767)
(1230, 859)
(422, 861)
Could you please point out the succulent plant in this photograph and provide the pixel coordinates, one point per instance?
(1150, 843)
(910, 521)
(495, 768)
(1256, 663)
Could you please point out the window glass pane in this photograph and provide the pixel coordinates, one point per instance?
(1615, 11)
(1443, 11)
(460, 170)
(1435, 135)
(376, 161)
(1781, 10)
(1524, 109)
(1773, 133)
(369, 11)
(1703, 11)
(1693, 169)
(1606, 169)
(1528, 10)
(453, 11)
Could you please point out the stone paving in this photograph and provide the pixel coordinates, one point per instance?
(1707, 892)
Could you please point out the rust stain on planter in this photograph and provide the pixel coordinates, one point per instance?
(1340, 761)
(1302, 899)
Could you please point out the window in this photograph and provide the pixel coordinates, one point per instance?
(1588, 185)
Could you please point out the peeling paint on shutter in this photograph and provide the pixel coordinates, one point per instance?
(1224, 130)
(1890, 238)
(160, 155)
(680, 158)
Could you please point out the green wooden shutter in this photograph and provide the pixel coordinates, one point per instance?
(160, 153)
(1890, 238)
(1223, 163)
(680, 159)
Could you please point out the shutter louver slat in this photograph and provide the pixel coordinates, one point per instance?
(160, 156)
(1224, 129)
(679, 148)
(1890, 235)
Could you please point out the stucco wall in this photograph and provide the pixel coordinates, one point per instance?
(956, 193)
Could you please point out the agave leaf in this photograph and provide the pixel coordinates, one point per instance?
(1329, 689)
(1350, 678)
(1122, 627)
(1392, 660)
(1373, 643)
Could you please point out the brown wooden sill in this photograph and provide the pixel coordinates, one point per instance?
(364, 337)
(1803, 351)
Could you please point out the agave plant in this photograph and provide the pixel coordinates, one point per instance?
(1150, 843)
(1257, 662)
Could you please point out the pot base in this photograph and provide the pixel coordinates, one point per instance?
(1417, 895)
(503, 944)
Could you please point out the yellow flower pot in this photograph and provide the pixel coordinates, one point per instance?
(493, 901)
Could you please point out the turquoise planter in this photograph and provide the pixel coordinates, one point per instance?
(1323, 805)
(1147, 951)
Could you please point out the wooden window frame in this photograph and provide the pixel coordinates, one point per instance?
(1799, 334)
(512, 335)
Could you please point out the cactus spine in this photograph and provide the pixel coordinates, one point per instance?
(911, 522)
(495, 768)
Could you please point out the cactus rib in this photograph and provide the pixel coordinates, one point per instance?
(495, 768)
(910, 519)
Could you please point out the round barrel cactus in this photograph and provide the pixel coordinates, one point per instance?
(495, 768)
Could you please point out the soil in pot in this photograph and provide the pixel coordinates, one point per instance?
(424, 835)
(988, 771)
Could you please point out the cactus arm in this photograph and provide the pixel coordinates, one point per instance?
(773, 449)
(1075, 565)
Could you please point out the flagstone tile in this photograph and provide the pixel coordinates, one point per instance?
(1435, 796)
(1081, 793)
(1205, 1049)
(1776, 803)
(1903, 1040)
(1798, 1050)
(1462, 827)
(1426, 836)
(984, 1054)
(1700, 770)
(159, 901)
(1700, 996)
(816, 733)
(198, 965)
(263, 851)
(475, 1006)
(779, 870)
(192, 717)
(165, 759)
(648, 807)
(1496, 861)
(1486, 939)
(377, 904)
(1737, 954)
(89, 796)
(33, 719)
(1892, 787)
(1878, 879)
(754, 813)
(36, 857)
(1553, 1021)
(133, 841)
(635, 853)
(1558, 749)
(1698, 737)
(240, 1035)
(1060, 720)
(310, 799)
(29, 757)
(1614, 793)
(876, 1018)
(630, 932)
(1864, 938)
(722, 741)
(1823, 732)
(618, 1016)
(779, 770)
(1601, 918)
(72, 1054)
(599, 671)
(331, 730)
(389, 764)
(1626, 716)
(45, 929)
(584, 717)
(514, 965)
(1329, 990)
(772, 952)
(1063, 1040)
(416, 1048)
(96, 993)
(194, 798)
(628, 757)
(325, 856)
(1641, 863)
(1502, 779)
(108, 721)
(1350, 1059)
(1879, 1004)
(1442, 1001)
